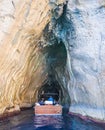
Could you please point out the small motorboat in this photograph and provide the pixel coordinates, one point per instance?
(48, 109)
(46, 106)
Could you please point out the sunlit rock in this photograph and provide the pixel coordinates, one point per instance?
(22, 65)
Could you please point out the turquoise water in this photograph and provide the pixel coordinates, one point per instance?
(26, 120)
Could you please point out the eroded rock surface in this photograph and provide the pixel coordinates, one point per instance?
(85, 40)
(22, 65)
(81, 29)
(30, 35)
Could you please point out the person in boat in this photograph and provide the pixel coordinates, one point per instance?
(55, 102)
(50, 100)
(41, 102)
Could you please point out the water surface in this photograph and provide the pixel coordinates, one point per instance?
(28, 121)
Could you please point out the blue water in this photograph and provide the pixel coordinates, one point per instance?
(26, 120)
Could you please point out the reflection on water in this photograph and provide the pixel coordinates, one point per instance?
(53, 121)
(28, 121)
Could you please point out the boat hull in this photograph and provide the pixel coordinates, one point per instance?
(48, 110)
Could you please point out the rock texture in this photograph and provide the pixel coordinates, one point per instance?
(26, 39)
(22, 65)
(60, 38)
(85, 42)
(81, 29)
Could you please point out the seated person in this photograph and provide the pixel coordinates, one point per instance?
(41, 102)
(50, 100)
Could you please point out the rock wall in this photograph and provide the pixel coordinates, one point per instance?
(28, 26)
(85, 43)
(22, 65)
(80, 27)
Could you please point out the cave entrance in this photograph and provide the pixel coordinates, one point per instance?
(53, 89)
(56, 56)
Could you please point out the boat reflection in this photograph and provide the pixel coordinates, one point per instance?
(48, 120)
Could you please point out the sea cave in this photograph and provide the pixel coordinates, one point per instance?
(53, 46)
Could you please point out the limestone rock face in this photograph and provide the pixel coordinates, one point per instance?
(22, 65)
(81, 29)
(60, 38)
(85, 43)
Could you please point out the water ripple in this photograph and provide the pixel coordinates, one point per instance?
(28, 121)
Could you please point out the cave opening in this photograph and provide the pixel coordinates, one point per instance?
(56, 56)
(53, 89)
